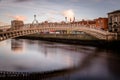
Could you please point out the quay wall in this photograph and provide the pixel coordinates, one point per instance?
(77, 40)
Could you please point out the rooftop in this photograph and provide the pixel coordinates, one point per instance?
(116, 11)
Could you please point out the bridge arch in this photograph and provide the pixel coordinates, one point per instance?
(100, 34)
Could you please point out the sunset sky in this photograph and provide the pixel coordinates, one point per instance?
(55, 10)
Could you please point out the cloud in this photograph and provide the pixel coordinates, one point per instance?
(17, 17)
(50, 19)
(97, 0)
(69, 14)
(22, 0)
(75, 0)
(3, 23)
(50, 15)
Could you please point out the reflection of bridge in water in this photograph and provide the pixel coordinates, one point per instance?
(32, 29)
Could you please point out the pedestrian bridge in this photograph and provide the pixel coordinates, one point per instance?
(27, 29)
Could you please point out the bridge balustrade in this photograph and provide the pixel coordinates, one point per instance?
(31, 29)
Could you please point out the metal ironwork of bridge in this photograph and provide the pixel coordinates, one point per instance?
(28, 29)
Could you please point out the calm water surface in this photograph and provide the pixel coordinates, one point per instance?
(21, 55)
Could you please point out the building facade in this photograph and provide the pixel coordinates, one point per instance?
(114, 21)
(17, 24)
(102, 23)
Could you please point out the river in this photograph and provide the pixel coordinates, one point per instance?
(22, 55)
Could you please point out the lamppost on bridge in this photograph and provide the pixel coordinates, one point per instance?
(35, 21)
(66, 19)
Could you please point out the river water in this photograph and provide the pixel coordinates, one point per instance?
(22, 55)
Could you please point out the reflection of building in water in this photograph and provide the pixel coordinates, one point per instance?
(16, 46)
(43, 48)
(32, 42)
(114, 63)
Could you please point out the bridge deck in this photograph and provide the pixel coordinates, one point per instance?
(100, 34)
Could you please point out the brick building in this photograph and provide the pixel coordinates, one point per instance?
(102, 23)
(17, 24)
(114, 21)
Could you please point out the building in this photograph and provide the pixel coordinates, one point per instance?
(4, 28)
(91, 23)
(17, 24)
(102, 23)
(83, 22)
(114, 21)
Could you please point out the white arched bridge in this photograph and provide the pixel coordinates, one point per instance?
(28, 29)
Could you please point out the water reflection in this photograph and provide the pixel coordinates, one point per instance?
(38, 56)
(41, 56)
(16, 46)
(114, 64)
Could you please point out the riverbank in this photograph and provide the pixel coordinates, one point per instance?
(75, 40)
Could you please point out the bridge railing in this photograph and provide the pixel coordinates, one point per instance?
(69, 27)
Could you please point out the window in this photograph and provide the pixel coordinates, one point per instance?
(110, 19)
(116, 19)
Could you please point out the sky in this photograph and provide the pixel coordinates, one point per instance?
(54, 10)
